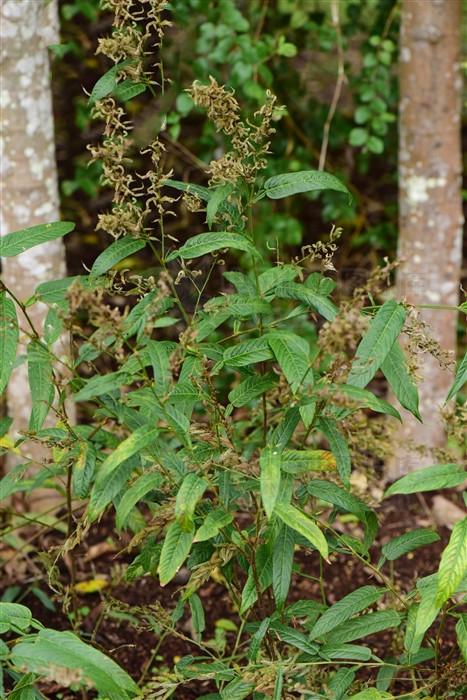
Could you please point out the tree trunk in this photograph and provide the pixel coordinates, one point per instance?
(430, 212)
(29, 174)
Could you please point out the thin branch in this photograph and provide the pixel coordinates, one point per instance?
(339, 83)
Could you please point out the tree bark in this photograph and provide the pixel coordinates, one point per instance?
(430, 211)
(28, 167)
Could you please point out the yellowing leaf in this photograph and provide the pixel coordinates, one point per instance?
(94, 585)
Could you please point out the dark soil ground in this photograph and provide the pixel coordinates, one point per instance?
(110, 618)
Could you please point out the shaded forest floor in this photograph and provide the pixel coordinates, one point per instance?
(117, 618)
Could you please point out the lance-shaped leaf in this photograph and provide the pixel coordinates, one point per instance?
(107, 83)
(303, 461)
(83, 469)
(138, 490)
(363, 398)
(105, 490)
(460, 378)
(438, 476)
(9, 334)
(339, 447)
(188, 495)
(102, 384)
(251, 388)
(115, 253)
(282, 562)
(453, 564)
(407, 542)
(293, 355)
(362, 626)
(376, 343)
(301, 523)
(461, 633)
(396, 372)
(176, 547)
(205, 243)
(40, 375)
(287, 184)
(248, 352)
(293, 290)
(345, 608)
(270, 479)
(339, 497)
(289, 635)
(18, 241)
(102, 494)
(64, 650)
(215, 520)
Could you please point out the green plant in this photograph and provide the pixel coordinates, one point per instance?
(221, 431)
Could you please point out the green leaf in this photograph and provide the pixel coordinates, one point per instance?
(461, 633)
(117, 251)
(197, 615)
(289, 635)
(137, 491)
(421, 616)
(176, 547)
(293, 355)
(301, 523)
(376, 343)
(438, 476)
(105, 490)
(251, 388)
(205, 243)
(19, 241)
(395, 370)
(247, 353)
(83, 469)
(460, 378)
(189, 494)
(339, 447)
(219, 195)
(288, 184)
(128, 89)
(52, 650)
(40, 375)
(238, 689)
(341, 681)
(407, 542)
(362, 626)
(215, 520)
(363, 397)
(351, 604)
(293, 290)
(270, 479)
(282, 561)
(133, 445)
(102, 384)
(107, 83)
(14, 616)
(203, 193)
(453, 564)
(345, 651)
(9, 334)
(257, 638)
(331, 493)
(54, 292)
(270, 279)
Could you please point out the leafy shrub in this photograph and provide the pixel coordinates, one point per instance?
(221, 431)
